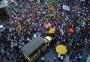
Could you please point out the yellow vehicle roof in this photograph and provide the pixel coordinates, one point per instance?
(48, 38)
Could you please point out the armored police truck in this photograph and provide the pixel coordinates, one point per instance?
(35, 48)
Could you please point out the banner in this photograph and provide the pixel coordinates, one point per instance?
(47, 25)
(51, 8)
(52, 30)
(65, 7)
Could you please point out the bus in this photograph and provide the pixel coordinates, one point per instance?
(35, 48)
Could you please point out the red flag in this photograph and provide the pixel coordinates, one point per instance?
(56, 22)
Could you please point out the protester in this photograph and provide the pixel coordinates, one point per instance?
(28, 21)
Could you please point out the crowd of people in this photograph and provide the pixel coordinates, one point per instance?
(29, 20)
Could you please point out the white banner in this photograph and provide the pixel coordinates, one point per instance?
(65, 7)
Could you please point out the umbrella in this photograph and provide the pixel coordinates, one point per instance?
(61, 49)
